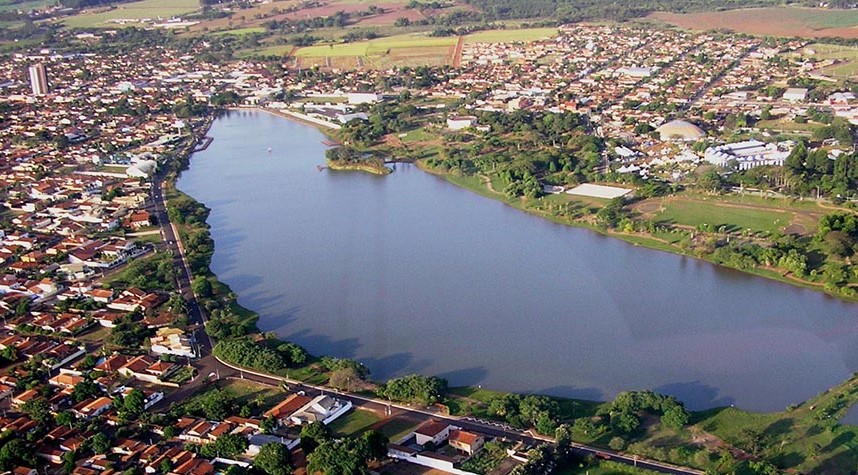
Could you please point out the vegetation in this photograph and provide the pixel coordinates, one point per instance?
(414, 388)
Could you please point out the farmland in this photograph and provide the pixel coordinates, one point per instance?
(412, 49)
(523, 35)
(782, 21)
(403, 50)
(132, 11)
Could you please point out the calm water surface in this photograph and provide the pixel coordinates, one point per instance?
(408, 273)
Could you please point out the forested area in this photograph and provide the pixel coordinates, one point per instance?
(524, 148)
(579, 10)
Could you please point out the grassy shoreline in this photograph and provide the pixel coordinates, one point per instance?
(475, 185)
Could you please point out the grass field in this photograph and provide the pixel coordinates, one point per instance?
(734, 218)
(787, 126)
(354, 423)
(136, 10)
(846, 57)
(377, 46)
(508, 36)
(7, 6)
(780, 21)
(241, 31)
(249, 392)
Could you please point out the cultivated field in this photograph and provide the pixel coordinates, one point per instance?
(402, 50)
(413, 49)
(507, 36)
(153, 9)
(784, 21)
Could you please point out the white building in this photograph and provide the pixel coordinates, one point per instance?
(324, 409)
(459, 123)
(171, 341)
(356, 98)
(795, 94)
(748, 154)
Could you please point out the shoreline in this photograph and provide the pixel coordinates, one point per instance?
(649, 242)
(642, 240)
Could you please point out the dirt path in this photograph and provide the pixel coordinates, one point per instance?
(457, 52)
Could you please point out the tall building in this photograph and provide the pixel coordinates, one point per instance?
(39, 79)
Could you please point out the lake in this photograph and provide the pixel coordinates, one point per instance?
(409, 273)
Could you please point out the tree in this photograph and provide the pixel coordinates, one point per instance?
(100, 443)
(65, 418)
(339, 457)
(134, 402)
(710, 181)
(85, 390)
(38, 409)
(312, 435)
(676, 417)
(202, 287)
(229, 445)
(17, 452)
(376, 444)
(414, 388)
(274, 459)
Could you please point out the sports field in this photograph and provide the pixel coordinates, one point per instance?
(693, 212)
(846, 57)
(152, 9)
(780, 21)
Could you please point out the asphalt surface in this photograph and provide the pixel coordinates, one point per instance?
(208, 367)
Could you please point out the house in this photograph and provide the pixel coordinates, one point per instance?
(282, 411)
(356, 98)
(172, 341)
(90, 408)
(466, 442)
(324, 409)
(138, 219)
(64, 380)
(433, 431)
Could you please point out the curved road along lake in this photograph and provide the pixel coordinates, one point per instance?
(408, 273)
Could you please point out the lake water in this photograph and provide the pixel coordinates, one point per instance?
(408, 273)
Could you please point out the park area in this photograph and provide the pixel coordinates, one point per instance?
(778, 21)
(146, 9)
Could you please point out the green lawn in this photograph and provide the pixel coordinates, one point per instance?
(246, 392)
(396, 429)
(7, 6)
(695, 213)
(524, 35)
(241, 31)
(355, 422)
(787, 125)
(136, 10)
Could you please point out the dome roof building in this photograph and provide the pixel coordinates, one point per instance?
(680, 130)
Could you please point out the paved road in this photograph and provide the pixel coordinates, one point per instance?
(208, 364)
